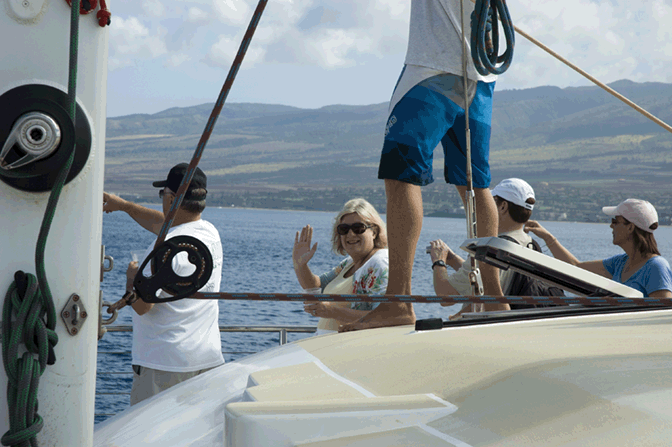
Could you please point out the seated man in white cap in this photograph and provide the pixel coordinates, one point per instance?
(515, 200)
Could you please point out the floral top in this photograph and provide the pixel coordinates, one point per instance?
(369, 279)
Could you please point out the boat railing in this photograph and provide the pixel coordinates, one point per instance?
(282, 332)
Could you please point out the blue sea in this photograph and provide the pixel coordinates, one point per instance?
(258, 258)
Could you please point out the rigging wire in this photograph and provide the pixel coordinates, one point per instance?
(595, 81)
(470, 199)
(217, 109)
(505, 60)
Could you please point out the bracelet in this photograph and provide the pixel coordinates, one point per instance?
(555, 239)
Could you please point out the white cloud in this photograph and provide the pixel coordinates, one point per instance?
(608, 39)
(322, 33)
(197, 15)
(232, 12)
(224, 52)
(175, 60)
(332, 47)
(130, 40)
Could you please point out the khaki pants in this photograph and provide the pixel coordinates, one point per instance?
(152, 381)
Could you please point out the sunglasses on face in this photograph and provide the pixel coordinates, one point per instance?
(616, 222)
(163, 192)
(357, 228)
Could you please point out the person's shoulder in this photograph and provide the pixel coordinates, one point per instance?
(206, 227)
(519, 235)
(204, 224)
(383, 253)
(621, 258)
(344, 263)
(659, 262)
(382, 256)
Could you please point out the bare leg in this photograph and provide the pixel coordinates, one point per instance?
(486, 215)
(404, 222)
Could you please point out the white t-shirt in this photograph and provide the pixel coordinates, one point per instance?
(435, 37)
(183, 335)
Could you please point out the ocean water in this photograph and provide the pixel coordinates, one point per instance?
(257, 247)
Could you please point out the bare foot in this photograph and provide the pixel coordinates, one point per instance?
(495, 307)
(479, 307)
(458, 315)
(386, 314)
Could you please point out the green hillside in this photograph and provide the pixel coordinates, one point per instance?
(577, 138)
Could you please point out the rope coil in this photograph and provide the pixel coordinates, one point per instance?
(485, 37)
(25, 302)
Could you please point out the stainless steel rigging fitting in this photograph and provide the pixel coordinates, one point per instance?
(34, 136)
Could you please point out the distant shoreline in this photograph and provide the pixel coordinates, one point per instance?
(439, 214)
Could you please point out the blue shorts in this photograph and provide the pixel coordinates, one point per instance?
(432, 112)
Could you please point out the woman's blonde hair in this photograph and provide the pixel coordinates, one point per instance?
(369, 215)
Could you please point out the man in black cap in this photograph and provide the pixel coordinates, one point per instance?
(177, 340)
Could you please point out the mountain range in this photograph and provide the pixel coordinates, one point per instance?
(578, 136)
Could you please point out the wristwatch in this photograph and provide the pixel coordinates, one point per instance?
(440, 263)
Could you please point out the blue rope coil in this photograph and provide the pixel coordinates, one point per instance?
(485, 37)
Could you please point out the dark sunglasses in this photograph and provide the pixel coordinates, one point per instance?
(162, 192)
(616, 221)
(357, 228)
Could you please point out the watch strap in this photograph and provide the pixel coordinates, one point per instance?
(440, 263)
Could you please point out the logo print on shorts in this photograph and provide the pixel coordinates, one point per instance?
(390, 123)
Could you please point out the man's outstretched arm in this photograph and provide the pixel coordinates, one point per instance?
(149, 219)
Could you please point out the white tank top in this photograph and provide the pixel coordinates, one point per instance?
(338, 286)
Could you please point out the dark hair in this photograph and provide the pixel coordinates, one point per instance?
(644, 241)
(517, 212)
(196, 202)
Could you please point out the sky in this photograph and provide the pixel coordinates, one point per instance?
(313, 53)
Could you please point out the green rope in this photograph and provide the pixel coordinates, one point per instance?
(30, 300)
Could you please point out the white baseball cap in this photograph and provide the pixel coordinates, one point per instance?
(516, 191)
(639, 212)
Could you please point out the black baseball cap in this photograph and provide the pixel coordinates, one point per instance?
(175, 176)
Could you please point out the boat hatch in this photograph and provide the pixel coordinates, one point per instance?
(505, 254)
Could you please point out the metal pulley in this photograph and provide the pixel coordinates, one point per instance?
(34, 136)
(37, 136)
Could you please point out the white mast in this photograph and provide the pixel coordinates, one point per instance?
(35, 51)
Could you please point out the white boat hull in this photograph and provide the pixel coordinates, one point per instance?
(598, 380)
(35, 50)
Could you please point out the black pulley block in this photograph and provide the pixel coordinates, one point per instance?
(165, 278)
(37, 137)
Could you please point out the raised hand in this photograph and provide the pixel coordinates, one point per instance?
(536, 228)
(302, 252)
(439, 250)
(112, 202)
